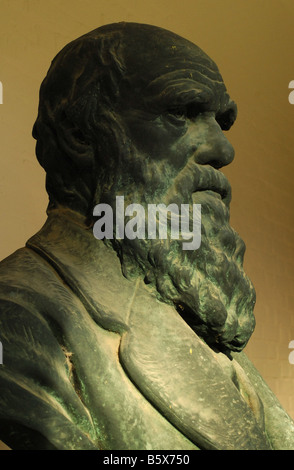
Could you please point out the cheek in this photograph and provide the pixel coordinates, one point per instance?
(187, 144)
(156, 138)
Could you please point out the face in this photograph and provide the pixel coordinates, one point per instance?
(183, 127)
(174, 121)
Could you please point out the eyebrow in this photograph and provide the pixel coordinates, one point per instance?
(184, 88)
(227, 116)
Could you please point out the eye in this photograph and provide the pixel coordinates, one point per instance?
(177, 114)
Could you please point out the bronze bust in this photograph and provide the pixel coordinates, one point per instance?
(132, 342)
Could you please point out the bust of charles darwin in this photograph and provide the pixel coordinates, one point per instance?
(132, 342)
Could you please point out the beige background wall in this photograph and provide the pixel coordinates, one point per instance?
(251, 41)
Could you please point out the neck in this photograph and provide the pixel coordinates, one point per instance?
(70, 215)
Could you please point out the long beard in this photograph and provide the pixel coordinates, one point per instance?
(207, 286)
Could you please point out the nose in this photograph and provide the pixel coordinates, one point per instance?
(214, 149)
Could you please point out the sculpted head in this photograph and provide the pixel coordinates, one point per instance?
(138, 111)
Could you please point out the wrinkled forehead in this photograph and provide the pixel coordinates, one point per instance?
(166, 70)
(184, 86)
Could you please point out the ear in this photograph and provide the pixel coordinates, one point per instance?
(75, 144)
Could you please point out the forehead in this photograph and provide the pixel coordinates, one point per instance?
(187, 86)
(168, 70)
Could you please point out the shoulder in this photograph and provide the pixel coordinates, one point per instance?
(36, 390)
(28, 283)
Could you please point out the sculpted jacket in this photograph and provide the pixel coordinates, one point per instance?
(92, 360)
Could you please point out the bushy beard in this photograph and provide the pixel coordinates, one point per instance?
(207, 286)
